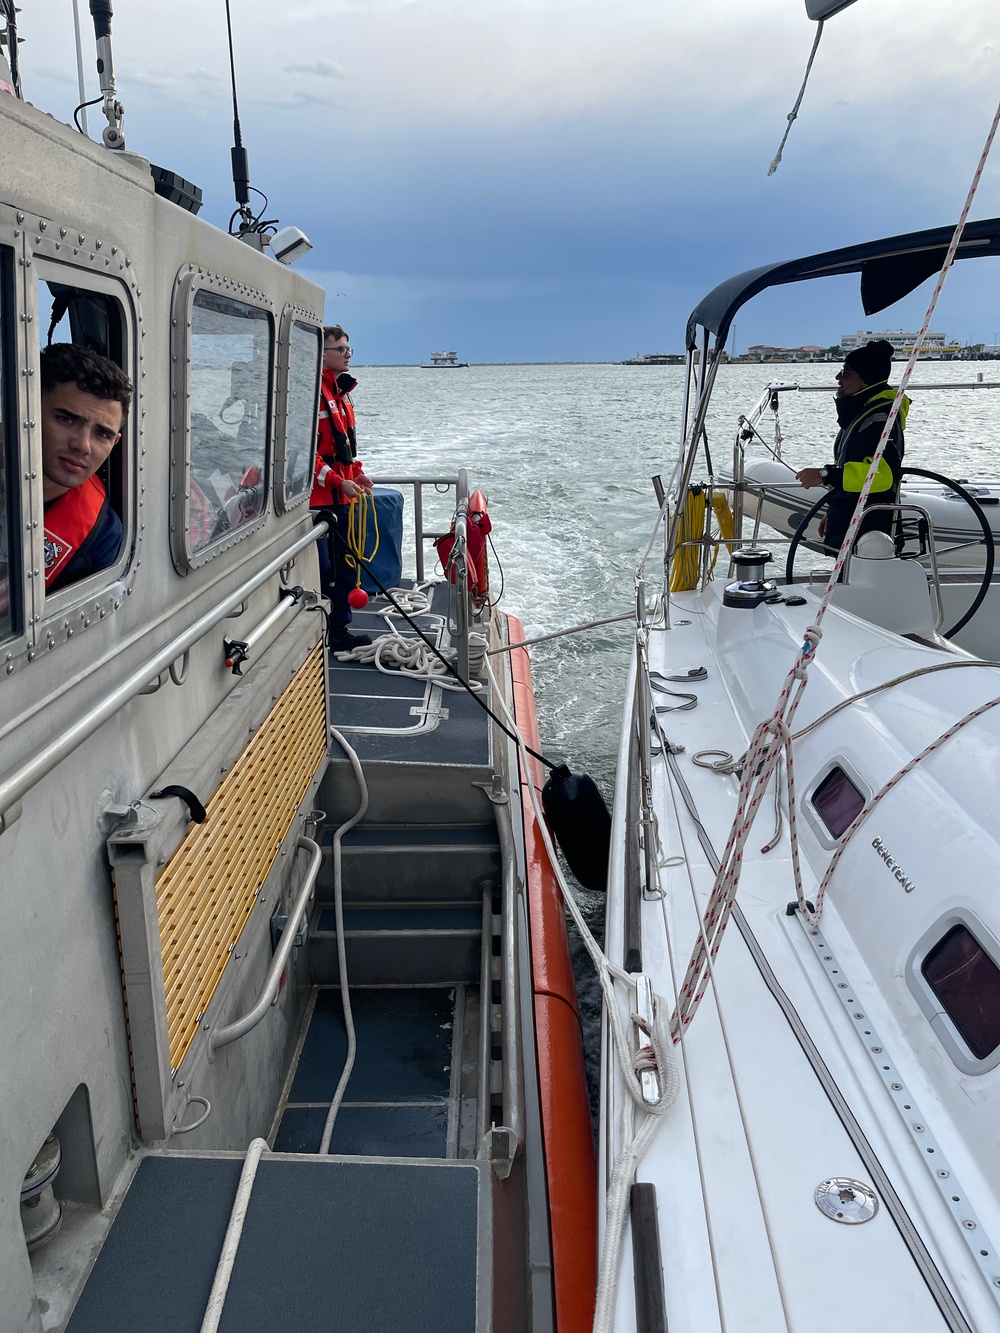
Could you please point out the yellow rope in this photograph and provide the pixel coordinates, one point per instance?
(685, 568)
(357, 533)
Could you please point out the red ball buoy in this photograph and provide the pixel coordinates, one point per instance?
(357, 598)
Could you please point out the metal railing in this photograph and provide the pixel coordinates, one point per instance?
(16, 781)
(458, 560)
(419, 535)
(269, 991)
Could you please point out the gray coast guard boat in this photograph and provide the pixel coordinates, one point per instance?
(275, 1048)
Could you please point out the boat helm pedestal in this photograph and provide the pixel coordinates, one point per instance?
(751, 588)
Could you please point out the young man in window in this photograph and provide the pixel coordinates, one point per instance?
(84, 401)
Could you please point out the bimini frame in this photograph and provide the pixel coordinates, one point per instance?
(890, 269)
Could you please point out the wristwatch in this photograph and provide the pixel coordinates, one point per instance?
(826, 475)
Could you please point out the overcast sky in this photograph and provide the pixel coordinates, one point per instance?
(563, 179)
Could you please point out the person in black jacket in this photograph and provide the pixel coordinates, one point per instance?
(863, 401)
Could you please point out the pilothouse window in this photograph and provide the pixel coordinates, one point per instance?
(304, 368)
(966, 981)
(73, 314)
(231, 354)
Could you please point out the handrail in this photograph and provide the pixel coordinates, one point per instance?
(460, 559)
(418, 484)
(15, 782)
(233, 1031)
(510, 1011)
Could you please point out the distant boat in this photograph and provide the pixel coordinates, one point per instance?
(655, 359)
(443, 360)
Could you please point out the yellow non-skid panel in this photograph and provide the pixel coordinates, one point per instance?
(208, 889)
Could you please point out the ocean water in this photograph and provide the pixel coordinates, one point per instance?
(565, 454)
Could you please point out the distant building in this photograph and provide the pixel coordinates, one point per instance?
(935, 344)
(765, 352)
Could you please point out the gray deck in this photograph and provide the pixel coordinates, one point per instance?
(328, 1246)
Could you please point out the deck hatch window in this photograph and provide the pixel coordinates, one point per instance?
(838, 802)
(966, 981)
(230, 382)
(304, 369)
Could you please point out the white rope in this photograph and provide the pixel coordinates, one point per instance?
(338, 902)
(414, 601)
(773, 735)
(234, 1233)
(775, 161)
(411, 655)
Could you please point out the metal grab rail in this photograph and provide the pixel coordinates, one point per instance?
(269, 991)
(459, 557)
(418, 484)
(510, 1013)
(15, 782)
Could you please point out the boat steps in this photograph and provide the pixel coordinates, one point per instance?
(412, 862)
(414, 1085)
(409, 943)
(329, 1245)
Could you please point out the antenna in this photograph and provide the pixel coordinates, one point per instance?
(113, 136)
(241, 163)
(10, 76)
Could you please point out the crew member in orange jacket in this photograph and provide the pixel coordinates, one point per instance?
(338, 481)
(84, 400)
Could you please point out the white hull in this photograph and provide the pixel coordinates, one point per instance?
(781, 1085)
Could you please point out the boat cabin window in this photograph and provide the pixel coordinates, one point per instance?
(966, 981)
(11, 609)
(837, 801)
(71, 312)
(230, 425)
(305, 365)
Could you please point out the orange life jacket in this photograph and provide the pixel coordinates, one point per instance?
(69, 521)
(336, 446)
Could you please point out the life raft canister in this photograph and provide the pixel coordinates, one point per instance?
(476, 531)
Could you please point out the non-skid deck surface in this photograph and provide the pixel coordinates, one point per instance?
(397, 1101)
(395, 717)
(328, 1247)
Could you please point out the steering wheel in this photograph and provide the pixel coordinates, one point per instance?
(962, 493)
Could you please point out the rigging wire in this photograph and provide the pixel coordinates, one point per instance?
(441, 657)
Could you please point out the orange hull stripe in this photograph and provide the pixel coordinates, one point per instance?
(570, 1165)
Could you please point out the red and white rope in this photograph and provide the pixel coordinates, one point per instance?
(773, 735)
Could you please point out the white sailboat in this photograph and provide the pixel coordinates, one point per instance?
(803, 915)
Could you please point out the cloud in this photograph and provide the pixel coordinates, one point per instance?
(324, 69)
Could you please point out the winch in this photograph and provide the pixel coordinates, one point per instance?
(750, 588)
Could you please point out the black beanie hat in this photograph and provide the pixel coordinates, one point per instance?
(872, 362)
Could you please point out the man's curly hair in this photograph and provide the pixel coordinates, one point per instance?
(65, 363)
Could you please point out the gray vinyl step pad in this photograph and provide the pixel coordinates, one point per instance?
(328, 1246)
(419, 837)
(421, 916)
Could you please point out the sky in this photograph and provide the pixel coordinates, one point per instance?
(563, 180)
